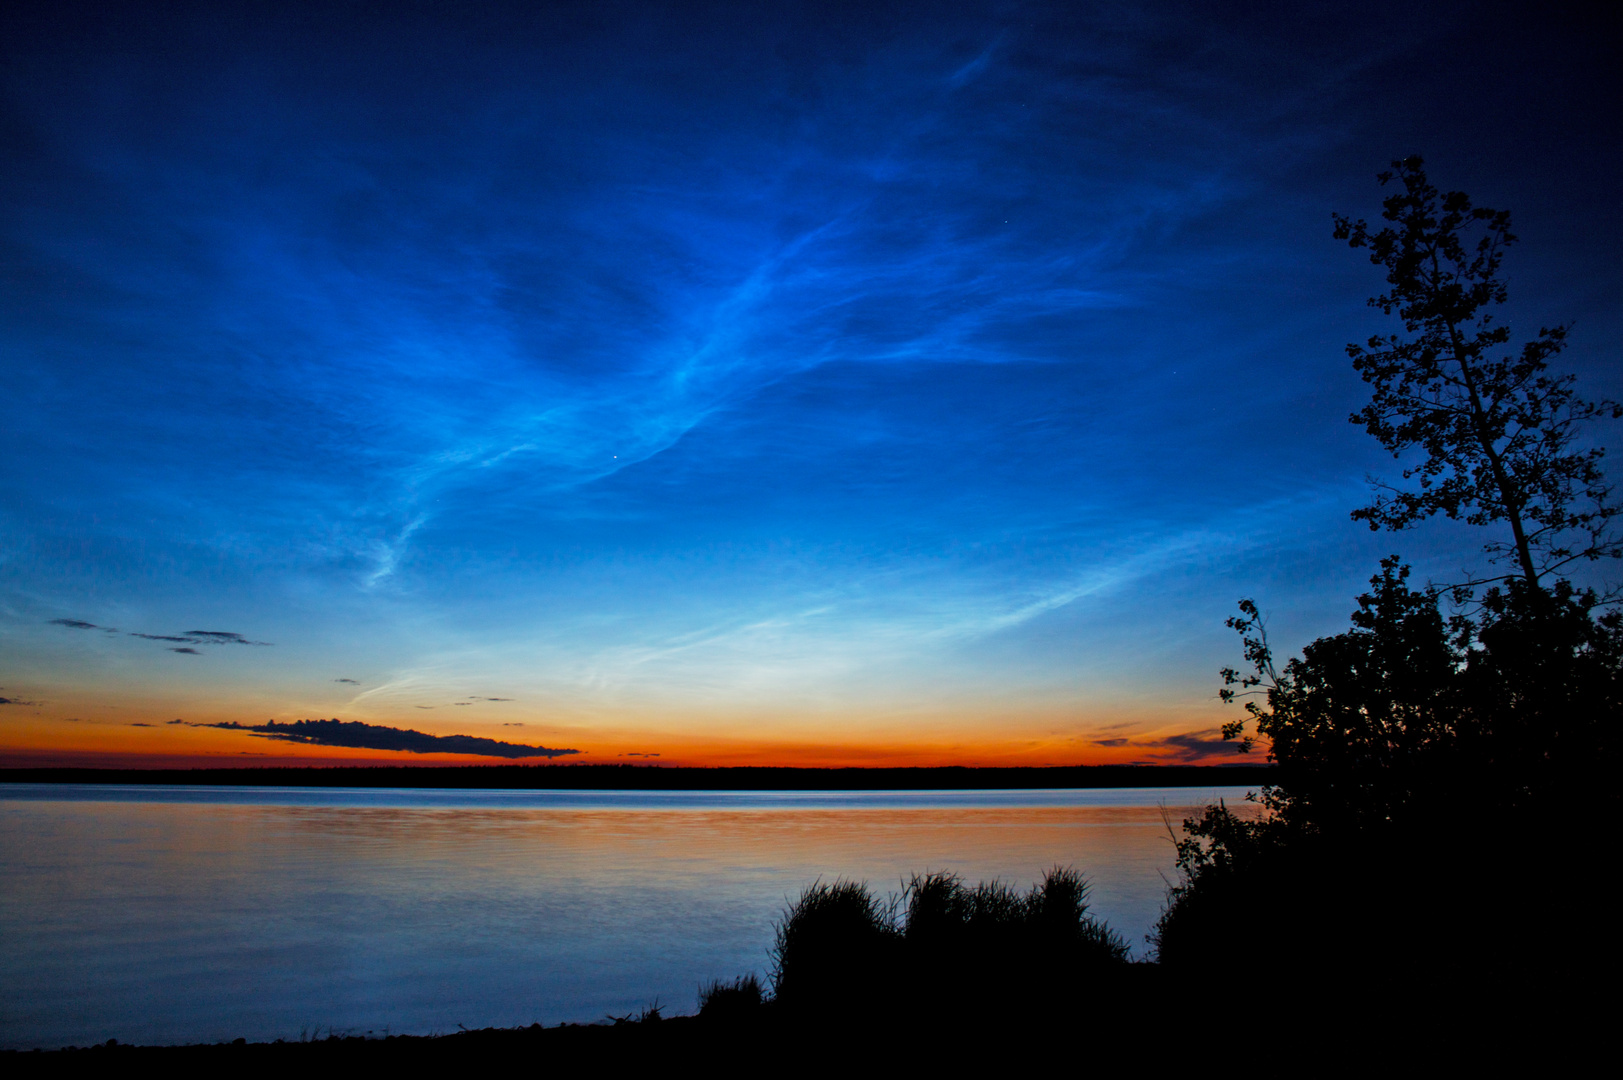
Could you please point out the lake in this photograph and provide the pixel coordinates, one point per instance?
(186, 914)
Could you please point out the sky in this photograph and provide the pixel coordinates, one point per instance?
(812, 384)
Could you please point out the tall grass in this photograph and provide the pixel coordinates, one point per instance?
(719, 1000)
(836, 939)
(840, 946)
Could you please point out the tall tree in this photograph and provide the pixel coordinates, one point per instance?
(1499, 434)
(1421, 752)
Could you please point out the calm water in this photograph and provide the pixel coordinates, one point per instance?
(161, 915)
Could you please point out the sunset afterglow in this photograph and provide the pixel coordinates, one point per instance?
(828, 389)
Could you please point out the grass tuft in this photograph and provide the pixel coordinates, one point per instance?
(833, 943)
(842, 947)
(721, 1000)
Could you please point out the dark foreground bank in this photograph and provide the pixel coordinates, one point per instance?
(1146, 1019)
(660, 778)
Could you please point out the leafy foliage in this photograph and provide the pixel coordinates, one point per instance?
(1365, 722)
(1404, 741)
(1415, 751)
(1499, 433)
(1357, 720)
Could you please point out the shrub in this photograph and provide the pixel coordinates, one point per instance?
(991, 938)
(740, 998)
(833, 945)
(941, 943)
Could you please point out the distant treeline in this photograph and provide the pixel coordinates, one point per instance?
(668, 778)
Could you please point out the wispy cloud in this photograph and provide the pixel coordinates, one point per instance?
(893, 619)
(199, 637)
(1203, 747)
(221, 637)
(976, 66)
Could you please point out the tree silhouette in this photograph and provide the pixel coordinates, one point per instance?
(1498, 431)
(1408, 710)
(1421, 752)
(1359, 720)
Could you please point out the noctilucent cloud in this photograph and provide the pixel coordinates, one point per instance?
(731, 383)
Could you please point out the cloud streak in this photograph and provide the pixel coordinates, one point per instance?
(1203, 747)
(221, 637)
(356, 735)
(188, 638)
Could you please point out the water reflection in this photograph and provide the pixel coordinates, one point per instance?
(136, 916)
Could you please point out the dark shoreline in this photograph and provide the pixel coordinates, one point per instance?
(665, 778)
(1126, 1020)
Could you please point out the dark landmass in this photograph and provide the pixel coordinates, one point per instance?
(1134, 1022)
(668, 778)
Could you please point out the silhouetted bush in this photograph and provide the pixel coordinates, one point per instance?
(965, 938)
(736, 1000)
(834, 945)
(1417, 757)
(940, 945)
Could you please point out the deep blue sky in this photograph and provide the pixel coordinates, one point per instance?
(709, 380)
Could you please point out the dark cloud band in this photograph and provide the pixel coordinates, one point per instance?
(221, 637)
(356, 735)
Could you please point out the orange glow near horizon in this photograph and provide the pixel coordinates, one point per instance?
(215, 748)
(91, 730)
